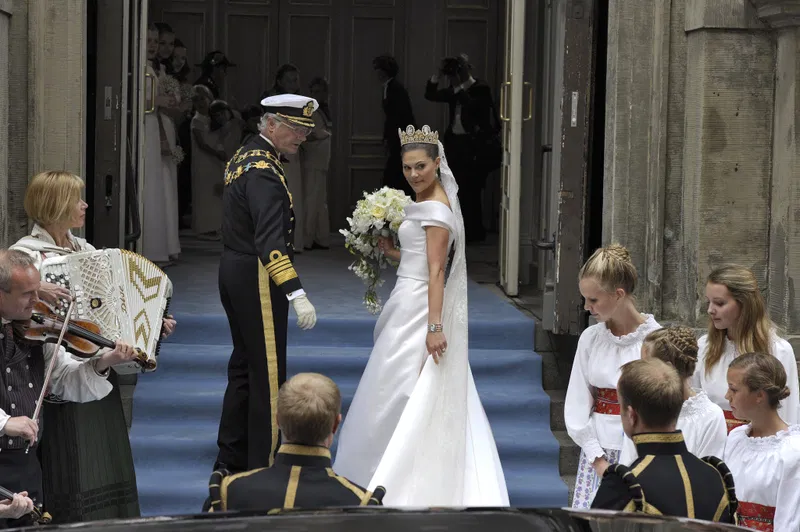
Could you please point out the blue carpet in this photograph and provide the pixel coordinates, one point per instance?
(177, 408)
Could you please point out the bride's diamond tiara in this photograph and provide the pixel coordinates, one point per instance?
(414, 136)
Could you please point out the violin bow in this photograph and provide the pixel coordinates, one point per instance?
(50, 367)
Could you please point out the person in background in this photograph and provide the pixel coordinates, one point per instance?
(399, 115)
(208, 167)
(179, 69)
(287, 81)
(166, 45)
(251, 116)
(315, 158)
(214, 68)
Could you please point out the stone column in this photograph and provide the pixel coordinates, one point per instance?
(57, 85)
(5, 24)
(784, 238)
(645, 57)
(727, 158)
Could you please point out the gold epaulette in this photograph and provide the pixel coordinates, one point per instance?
(730, 487)
(242, 161)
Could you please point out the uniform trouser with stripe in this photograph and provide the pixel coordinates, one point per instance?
(258, 314)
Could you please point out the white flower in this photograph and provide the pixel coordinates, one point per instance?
(378, 213)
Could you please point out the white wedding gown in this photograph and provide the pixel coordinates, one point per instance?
(415, 427)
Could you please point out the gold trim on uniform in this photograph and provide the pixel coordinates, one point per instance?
(272, 353)
(349, 485)
(291, 488)
(223, 488)
(274, 164)
(307, 122)
(687, 486)
(304, 450)
(280, 268)
(669, 437)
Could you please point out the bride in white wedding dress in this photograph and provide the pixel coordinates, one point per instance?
(416, 424)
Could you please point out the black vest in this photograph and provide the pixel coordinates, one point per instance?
(21, 376)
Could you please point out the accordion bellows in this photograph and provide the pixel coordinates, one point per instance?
(125, 294)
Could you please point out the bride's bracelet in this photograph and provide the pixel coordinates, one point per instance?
(434, 327)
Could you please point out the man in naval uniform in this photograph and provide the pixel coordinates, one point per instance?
(309, 413)
(22, 372)
(257, 281)
(666, 479)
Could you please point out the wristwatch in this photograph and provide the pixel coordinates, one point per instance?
(434, 327)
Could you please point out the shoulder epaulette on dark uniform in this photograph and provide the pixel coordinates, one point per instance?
(638, 502)
(727, 478)
(214, 489)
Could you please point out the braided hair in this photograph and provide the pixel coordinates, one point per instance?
(674, 345)
(765, 373)
(612, 268)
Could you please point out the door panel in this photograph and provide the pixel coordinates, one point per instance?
(573, 74)
(248, 37)
(511, 109)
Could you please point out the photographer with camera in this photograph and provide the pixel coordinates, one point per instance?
(472, 139)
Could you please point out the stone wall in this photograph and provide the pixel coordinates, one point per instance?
(701, 149)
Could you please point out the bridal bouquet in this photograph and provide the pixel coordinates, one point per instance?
(378, 214)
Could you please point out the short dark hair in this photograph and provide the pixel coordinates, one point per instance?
(387, 64)
(431, 150)
(10, 260)
(653, 389)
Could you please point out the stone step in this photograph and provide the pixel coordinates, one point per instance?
(568, 455)
(569, 480)
(557, 398)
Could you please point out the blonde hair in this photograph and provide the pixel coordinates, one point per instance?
(51, 196)
(753, 327)
(676, 346)
(308, 405)
(612, 268)
(763, 372)
(653, 389)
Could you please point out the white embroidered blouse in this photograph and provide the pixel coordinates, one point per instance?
(598, 360)
(766, 471)
(715, 383)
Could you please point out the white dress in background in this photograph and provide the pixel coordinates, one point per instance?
(703, 427)
(315, 158)
(595, 372)
(766, 472)
(207, 178)
(160, 241)
(715, 383)
(415, 427)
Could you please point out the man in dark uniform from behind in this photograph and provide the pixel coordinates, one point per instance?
(257, 281)
(309, 413)
(666, 479)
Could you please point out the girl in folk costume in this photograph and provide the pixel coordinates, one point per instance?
(701, 420)
(591, 410)
(739, 324)
(764, 455)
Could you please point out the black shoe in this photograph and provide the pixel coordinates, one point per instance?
(319, 246)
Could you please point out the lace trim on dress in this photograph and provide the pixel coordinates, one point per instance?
(638, 335)
(768, 442)
(697, 404)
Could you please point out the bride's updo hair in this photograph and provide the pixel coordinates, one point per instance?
(676, 346)
(612, 268)
(763, 372)
(431, 150)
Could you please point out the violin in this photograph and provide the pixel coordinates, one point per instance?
(38, 514)
(82, 337)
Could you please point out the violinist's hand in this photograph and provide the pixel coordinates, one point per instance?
(51, 293)
(22, 426)
(121, 353)
(15, 508)
(436, 344)
(168, 326)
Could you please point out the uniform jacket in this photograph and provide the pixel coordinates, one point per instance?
(258, 215)
(301, 477)
(667, 479)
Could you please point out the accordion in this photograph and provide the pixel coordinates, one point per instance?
(125, 294)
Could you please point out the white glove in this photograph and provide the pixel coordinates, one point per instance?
(306, 315)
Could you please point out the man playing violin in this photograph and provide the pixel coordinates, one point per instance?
(22, 374)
